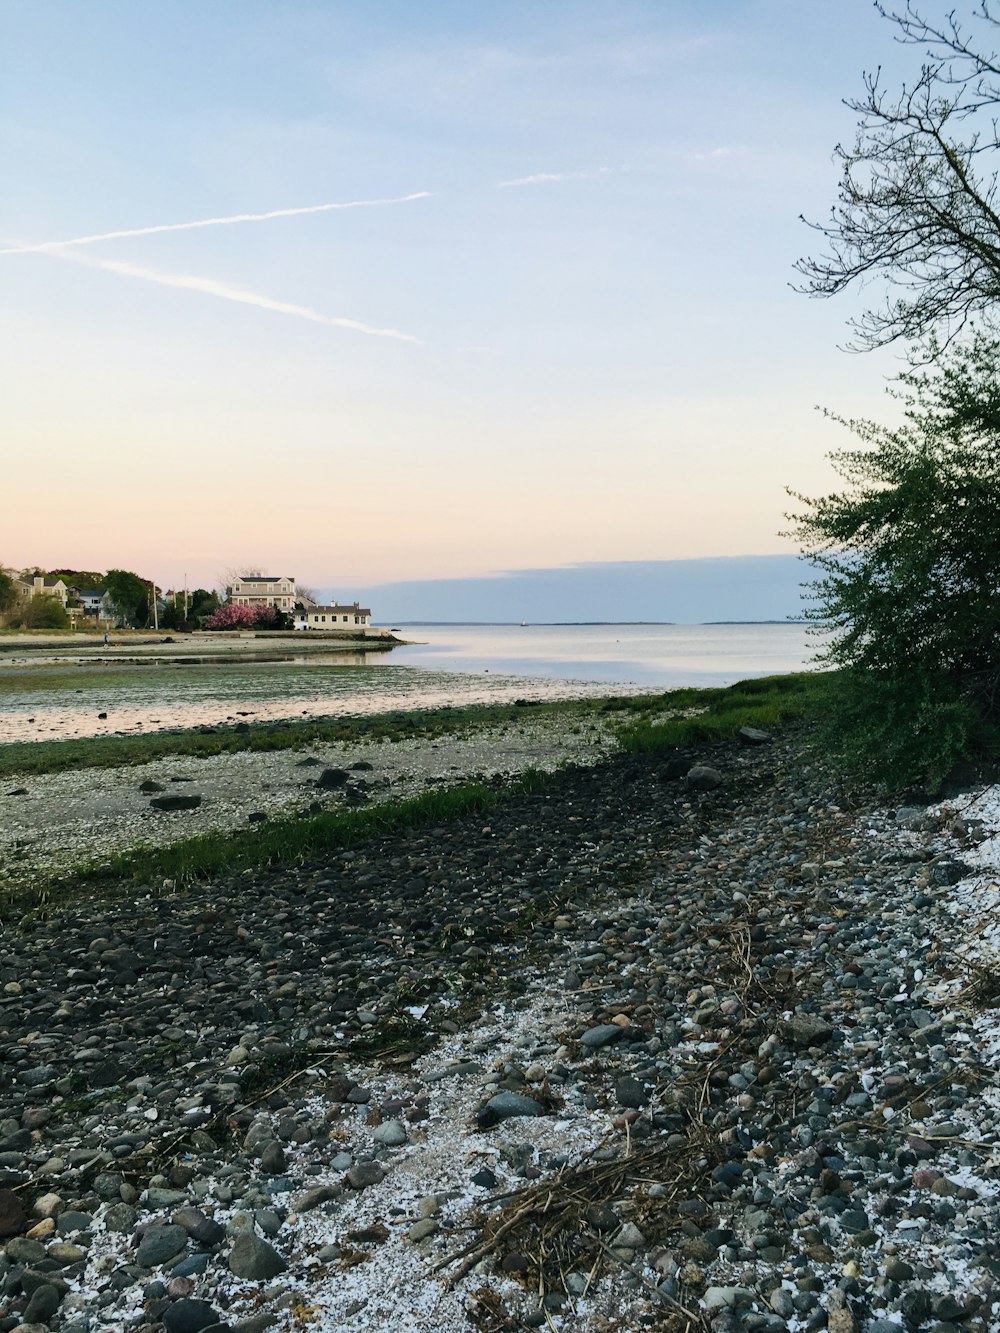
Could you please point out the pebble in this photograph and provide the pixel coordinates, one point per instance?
(128, 1025)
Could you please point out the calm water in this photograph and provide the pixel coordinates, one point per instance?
(450, 665)
(642, 655)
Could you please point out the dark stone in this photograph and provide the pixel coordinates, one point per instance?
(175, 802)
(506, 1105)
(485, 1179)
(805, 1030)
(160, 1244)
(363, 1174)
(13, 1218)
(150, 786)
(272, 1159)
(602, 1035)
(43, 1304)
(333, 777)
(254, 1259)
(188, 1316)
(703, 778)
(629, 1092)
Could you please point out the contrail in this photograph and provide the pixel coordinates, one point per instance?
(549, 177)
(43, 246)
(210, 287)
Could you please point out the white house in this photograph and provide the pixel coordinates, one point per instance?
(333, 617)
(264, 590)
(95, 602)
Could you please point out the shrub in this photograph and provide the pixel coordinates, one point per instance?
(234, 615)
(909, 562)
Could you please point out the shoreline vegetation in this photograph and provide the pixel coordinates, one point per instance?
(472, 758)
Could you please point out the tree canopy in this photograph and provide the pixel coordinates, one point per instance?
(8, 592)
(129, 595)
(908, 556)
(917, 202)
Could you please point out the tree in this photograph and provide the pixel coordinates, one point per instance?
(44, 612)
(917, 202)
(8, 592)
(203, 603)
(909, 560)
(236, 615)
(129, 595)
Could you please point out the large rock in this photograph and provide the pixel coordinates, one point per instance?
(805, 1030)
(13, 1218)
(252, 1258)
(331, 778)
(602, 1035)
(505, 1106)
(703, 778)
(177, 802)
(160, 1244)
(188, 1316)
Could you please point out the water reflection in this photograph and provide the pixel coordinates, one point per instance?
(448, 665)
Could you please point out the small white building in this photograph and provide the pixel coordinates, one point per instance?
(333, 617)
(264, 590)
(95, 602)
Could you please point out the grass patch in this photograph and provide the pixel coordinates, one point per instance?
(278, 842)
(60, 756)
(705, 716)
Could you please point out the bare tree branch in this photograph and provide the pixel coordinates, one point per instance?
(917, 201)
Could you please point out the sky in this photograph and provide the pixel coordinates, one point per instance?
(388, 293)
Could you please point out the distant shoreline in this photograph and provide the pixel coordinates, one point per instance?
(579, 624)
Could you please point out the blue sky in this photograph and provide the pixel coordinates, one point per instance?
(601, 359)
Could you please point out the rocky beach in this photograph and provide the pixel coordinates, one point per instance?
(696, 1040)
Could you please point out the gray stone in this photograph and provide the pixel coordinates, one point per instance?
(254, 1259)
(752, 736)
(602, 1035)
(20, 1250)
(506, 1105)
(422, 1229)
(703, 778)
(175, 802)
(120, 1218)
(160, 1244)
(804, 1030)
(272, 1159)
(363, 1174)
(391, 1134)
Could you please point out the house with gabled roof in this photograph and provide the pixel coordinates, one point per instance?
(264, 590)
(333, 616)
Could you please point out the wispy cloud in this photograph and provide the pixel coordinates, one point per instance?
(43, 246)
(211, 287)
(554, 177)
(715, 154)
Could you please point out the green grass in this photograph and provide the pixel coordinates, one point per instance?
(32, 757)
(284, 841)
(704, 716)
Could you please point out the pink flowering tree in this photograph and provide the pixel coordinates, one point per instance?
(234, 615)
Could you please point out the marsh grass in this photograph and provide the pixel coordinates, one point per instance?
(702, 716)
(285, 841)
(60, 756)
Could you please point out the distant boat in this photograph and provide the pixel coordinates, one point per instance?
(524, 624)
